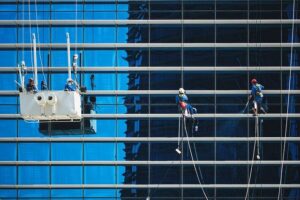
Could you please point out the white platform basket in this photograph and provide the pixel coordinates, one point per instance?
(50, 105)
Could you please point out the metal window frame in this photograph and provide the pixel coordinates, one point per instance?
(145, 139)
(146, 22)
(170, 116)
(146, 45)
(154, 69)
(142, 186)
(167, 92)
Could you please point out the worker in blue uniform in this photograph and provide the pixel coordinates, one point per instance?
(70, 85)
(183, 105)
(257, 97)
(30, 87)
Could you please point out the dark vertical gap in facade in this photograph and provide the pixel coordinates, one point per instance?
(17, 120)
(182, 85)
(49, 87)
(281, 81)
(116, 99)
(248, 78)
(215, 97)
(81, 76)
(149, 96)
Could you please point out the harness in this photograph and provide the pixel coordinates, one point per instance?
(258, 91)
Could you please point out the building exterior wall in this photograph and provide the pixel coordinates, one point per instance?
(138, 67)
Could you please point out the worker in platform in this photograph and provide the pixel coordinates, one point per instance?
(257, 97)
(30, 87)
(70, 85)
(183, 105)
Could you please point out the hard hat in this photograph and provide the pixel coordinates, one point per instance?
(69, 80)
(31, 79)
(254, 81)
(75, 56)
(181, 91)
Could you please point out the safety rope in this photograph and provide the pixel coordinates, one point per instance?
(23, 29)
(178, 141)
(193, 161)
(30, 37)
(256, 130)
(76, 21)
(288, 101)
(38, 41)
(196, 155)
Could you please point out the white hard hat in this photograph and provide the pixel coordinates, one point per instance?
(181, 91)
(75, 56)
(70, 80)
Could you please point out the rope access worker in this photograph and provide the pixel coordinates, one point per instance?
(70, 85)
(30, 87)
(183, 105)
(257, 97)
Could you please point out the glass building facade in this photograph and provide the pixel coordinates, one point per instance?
(140, 53)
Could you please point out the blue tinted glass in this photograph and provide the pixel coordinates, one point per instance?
(66, 193)
(10, 58)
(12, 131)
(34, 193)
(100, 58)
(66, 174)
(8, 34)
(34, 151)
(98, 193)
(99, 175)
(99, 151)
(8, 193)
(99, 34)
(8, 151)
(8, 7)
(66, 151)
(29, 129)
(8, 175)
(59, 34)
(25, 35)
(33, 175)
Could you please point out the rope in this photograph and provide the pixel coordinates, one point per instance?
(178, 133)
(76, 20)
(30, 39)
(38, 41)
(23, 29)
(253, 155)
(197, 158)
(288, 104)
(190, 150)
(182, 67)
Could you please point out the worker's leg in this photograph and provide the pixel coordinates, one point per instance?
(254, 108)
(191, 109)
(260, 107)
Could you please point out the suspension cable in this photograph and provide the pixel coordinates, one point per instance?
(288, 100)
(256, 130)
(23, 29)
(76, 21)
(38, 41)
(193, 161)
(30, 39)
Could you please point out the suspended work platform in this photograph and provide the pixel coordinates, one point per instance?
(50, 105)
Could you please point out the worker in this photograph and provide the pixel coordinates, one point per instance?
(257, 97)
(183, 105)
(70, 85)
(44, 85)
(30, 87)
